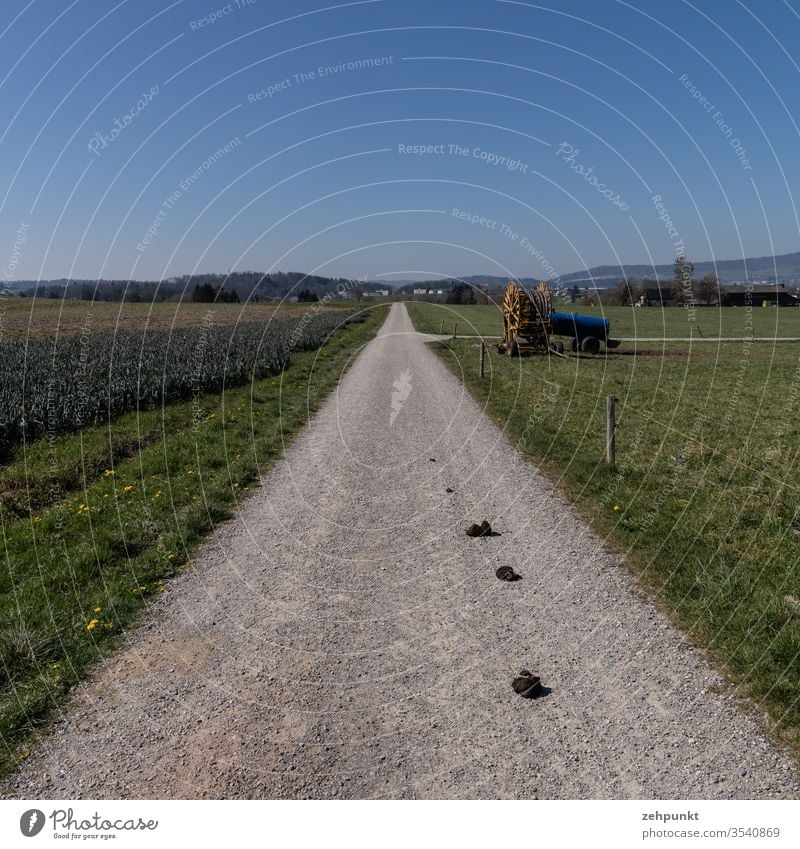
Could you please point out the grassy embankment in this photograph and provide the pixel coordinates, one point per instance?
(626, 322)
(705, 500)
(95, 522)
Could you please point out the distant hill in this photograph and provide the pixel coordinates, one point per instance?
(473, 280)
(784, 268)
(246, 284)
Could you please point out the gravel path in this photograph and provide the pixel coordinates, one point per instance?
(343, 637)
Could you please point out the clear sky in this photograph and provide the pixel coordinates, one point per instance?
(148, 139)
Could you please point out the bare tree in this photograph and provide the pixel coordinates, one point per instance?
(708, 289)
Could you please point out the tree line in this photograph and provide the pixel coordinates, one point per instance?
(683, 289)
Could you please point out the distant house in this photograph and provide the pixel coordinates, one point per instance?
(756, 296)
(659, 295)
(379, 293)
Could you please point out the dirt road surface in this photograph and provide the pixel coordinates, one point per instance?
(343, 637)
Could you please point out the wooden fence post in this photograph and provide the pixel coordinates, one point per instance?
(483, 355)
(455, 329)
(611, 430)
(441, 327)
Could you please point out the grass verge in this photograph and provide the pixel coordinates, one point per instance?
(117, 510)
(704, 502)
(626, 322)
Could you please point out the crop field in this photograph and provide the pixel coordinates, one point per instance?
(60, 383)
(31, 318)
(96, 520)
(704, 503)
(626, 322)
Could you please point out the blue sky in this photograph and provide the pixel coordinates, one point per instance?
(141, 140)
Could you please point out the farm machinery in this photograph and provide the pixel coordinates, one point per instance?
(529, 323)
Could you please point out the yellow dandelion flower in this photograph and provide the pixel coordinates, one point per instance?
(616, 506)
(170, 556)
(128, 488)
(236, 486)
(37, 519)
(108, 472)
(92, 625)
(97, 609)
(54, 665)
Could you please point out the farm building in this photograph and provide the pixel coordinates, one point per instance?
(732, 296)
(653, 296)
(755, 296)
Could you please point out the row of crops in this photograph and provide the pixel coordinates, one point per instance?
(63, 383)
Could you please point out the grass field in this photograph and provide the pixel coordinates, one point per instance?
(95, 522)
(627, 322)
(704, 503)
(24, 318)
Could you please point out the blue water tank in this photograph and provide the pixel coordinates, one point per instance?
(578, 326)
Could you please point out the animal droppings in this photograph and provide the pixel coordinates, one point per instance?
(527, 685)
(482, 530)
